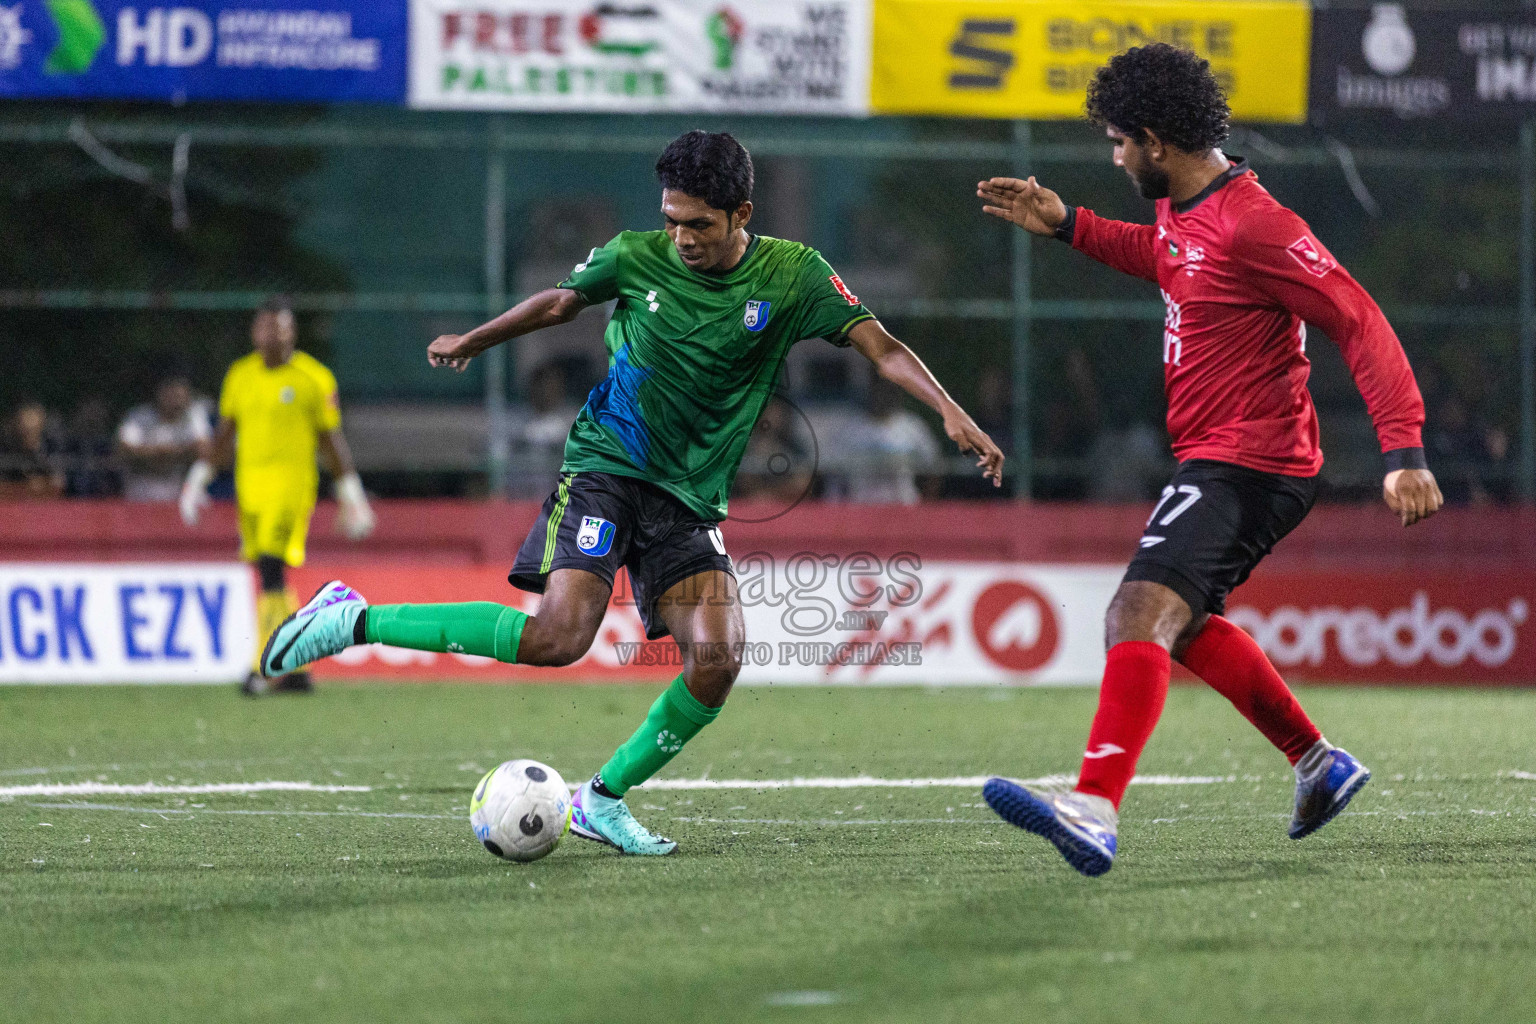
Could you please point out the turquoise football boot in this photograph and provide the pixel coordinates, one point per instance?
(321, 628)
(606, 820)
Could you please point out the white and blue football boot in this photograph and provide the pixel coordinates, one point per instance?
(604, 819)
(321, 628)
(1082, 826)
(1327, 778)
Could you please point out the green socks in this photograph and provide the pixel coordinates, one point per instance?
(675, 718)
(474, 627)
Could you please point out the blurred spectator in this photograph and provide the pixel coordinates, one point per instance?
(1468, 457)
(1128, 465)
(778, 463)
(30, 465)
(885, 453)
(92, 472)
(159, 441)
(539, 446)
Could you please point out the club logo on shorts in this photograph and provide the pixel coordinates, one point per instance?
(595, 537)
(756, 316)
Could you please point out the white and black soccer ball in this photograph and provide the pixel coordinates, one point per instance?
(520, 810)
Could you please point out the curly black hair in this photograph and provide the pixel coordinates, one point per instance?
(1166, 89)
(711, 166)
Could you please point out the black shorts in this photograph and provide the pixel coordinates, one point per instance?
(1214, 523)
(598, 522)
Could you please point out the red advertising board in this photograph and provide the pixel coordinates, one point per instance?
(1393, 627)
(999, 622)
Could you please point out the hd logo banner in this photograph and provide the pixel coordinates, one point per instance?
(284, 50)
(124, 623)
(760, 56)
(1034, 58)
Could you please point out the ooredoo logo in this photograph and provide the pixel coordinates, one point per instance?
(1016, 626)
(1404, 636)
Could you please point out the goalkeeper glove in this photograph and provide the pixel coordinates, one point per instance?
(194, 493)
(356, 519)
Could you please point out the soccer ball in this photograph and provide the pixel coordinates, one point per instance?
(520, 810)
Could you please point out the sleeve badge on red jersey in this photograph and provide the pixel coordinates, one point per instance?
(1311, 256)
(842, 289)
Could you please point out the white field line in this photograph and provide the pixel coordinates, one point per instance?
(871, 782)
(164, 812)
(156, 789)
(185, 814)
(1527, 776)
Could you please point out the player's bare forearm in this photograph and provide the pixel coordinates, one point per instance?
(547, 308)
(900, 365)
(336, 454)
(220, 452)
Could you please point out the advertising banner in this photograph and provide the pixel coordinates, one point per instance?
(1034, 58)
(748, 56)
(856, 619)
(166, 623)
(812, 618)
(1419, 64)
(331, 51)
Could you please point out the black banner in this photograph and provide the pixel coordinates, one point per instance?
(1422, 64)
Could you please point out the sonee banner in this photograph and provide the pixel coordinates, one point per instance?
(1035, 58)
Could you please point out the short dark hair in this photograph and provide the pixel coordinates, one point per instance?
(276, 304)
(1166, 89)
(711, 166)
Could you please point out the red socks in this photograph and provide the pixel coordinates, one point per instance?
(1235, 666)
(1130, 702)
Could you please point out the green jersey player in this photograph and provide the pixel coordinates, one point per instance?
(705, 313)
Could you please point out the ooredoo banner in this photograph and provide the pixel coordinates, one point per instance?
(158, 623)
(831, 619)
(749, 56)
(1034, 58)
(330, 51)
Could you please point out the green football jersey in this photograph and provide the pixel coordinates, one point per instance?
(693, 357)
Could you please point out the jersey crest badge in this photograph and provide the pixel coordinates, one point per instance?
(1173, 248)
(1311, 256)
(756, 316)
(595, 537)
(286, 396)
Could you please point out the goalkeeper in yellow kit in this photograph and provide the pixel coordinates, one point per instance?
(277, 409)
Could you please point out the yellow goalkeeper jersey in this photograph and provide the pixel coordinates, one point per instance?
(279, 415)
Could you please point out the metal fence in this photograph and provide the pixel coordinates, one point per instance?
(416, 223)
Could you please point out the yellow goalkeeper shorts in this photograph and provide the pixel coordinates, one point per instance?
(276, 529)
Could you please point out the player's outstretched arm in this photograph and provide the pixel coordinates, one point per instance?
(900, 365)
(542, 309)
(1026, 203)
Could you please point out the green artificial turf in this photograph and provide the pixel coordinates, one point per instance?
(855, 904)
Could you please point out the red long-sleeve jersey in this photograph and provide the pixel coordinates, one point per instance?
(1241, 277)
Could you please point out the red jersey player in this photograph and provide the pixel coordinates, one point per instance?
(1241, 277)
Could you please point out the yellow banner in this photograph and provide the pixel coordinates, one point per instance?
(1034, 58)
